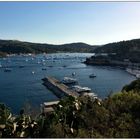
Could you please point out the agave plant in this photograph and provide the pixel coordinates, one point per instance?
(25, 126)
(6, 121)
(66, 113)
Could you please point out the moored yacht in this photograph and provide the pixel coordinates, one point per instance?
(80, 89)
(69, 80)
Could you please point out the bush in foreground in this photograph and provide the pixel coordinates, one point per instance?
(117, 116)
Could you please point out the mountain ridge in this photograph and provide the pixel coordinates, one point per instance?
(124, 49)
(16, 46)
(129, 49)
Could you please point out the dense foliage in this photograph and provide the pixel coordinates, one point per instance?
(124, 50)
(2, 54)
(117, 116)
(13, 46)
(133, 86)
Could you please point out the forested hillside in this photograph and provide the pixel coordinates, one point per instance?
(13, 46)
(124, 50)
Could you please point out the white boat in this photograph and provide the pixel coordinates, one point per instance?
(32, 58)
(80, 89)
(33, 72)
(38, 62)
(68, 80)
(26, 59)
(92, 75)
(73, 74)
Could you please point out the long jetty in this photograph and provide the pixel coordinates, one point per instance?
(58, 88)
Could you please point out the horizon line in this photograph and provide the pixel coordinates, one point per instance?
(67, 42)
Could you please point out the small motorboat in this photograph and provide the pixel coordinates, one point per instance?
(64, 66)
(92, 76)
(7, 70)
(33, 72)
(38, 62)
(73, 74)
(44, 69)
(26, 59)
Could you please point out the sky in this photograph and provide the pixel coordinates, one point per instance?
(95, 23)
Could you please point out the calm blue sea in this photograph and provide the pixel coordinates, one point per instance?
(20, 86)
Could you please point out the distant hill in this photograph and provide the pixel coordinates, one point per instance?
(15, 46)
(124, 50)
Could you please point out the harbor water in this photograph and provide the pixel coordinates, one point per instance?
(23, 85)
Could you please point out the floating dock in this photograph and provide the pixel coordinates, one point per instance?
(58, 88)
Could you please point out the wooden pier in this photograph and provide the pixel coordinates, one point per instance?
(58, 88)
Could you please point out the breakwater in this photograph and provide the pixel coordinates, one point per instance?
(59, 89)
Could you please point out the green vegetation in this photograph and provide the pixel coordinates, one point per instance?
(117, 116)
(13, 46)
(134, 86)
(2, 54)
(124, 50)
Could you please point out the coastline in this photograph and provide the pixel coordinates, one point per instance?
(105, 61)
